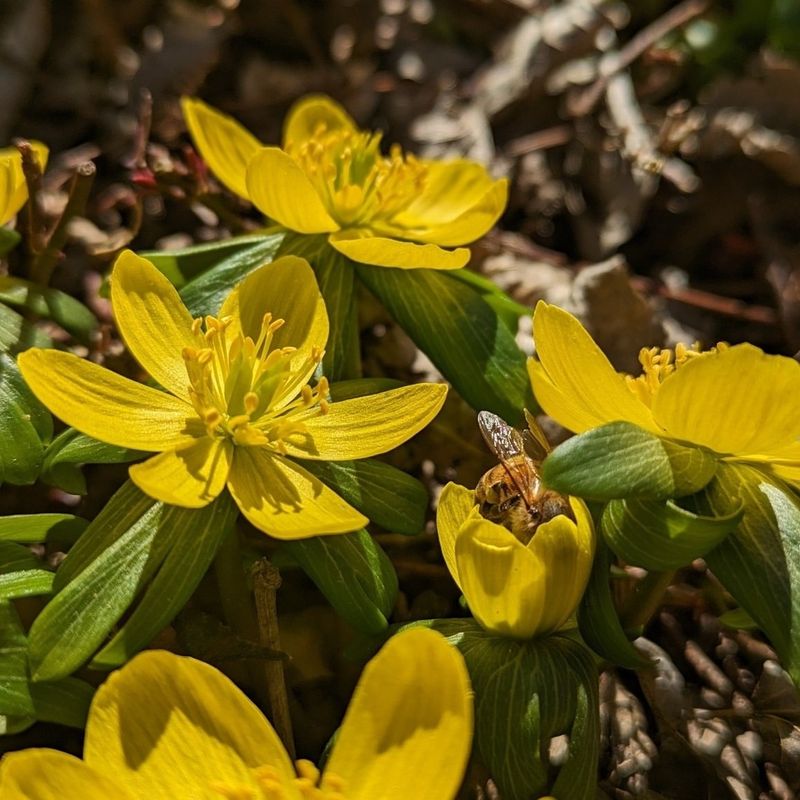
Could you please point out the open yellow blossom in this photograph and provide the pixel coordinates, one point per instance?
(165, 727)
(330, 177)
(736, 401)
(13, 189)
(515, 590)
(239, 406)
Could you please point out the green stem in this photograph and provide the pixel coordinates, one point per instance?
(645, 599)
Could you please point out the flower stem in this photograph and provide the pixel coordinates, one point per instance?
(267, 581)
(645, 599)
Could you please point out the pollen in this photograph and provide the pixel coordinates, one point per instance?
(658, 364)
(248, 389)
(357, 183)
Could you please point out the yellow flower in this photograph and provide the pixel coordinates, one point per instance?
(239, 400)
(735, 401)
(165, 727)
(513, 589)
(13, 189)
(330, 177)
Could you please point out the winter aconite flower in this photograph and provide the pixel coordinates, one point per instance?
(330, 177)
(166, 727)
(239, 407)
(13, 189)
(514, 589)
(736, 401)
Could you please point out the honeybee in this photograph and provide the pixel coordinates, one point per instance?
(511, 493)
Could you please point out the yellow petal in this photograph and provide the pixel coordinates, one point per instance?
(364, 247)
(191, 476)
(503, 581)
(281, 190)
(456, 505)
(566, 550)
(365, 426)
(470, 225)
(408, 728)
(283, 500)
(287, 288)
(573, 380)
(312, 115)
(223, 143)
(171, 727)
(153, 321)
(13, 187)
(40, 774)
(737, 401)
(105, 405)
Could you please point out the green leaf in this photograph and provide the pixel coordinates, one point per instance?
(526, 693)
(17, 334)
(193, 549)
(72, 315)
(620, 460)
(186, 263)
(70, 450)
(16, 557)
(662, 535)
(24, 422)
(391, 498)
(205, 293)
(598, 621)
(112, 562)
(460, 332)
(65, 702)
(759, 563)
(360, 387)
(508, 310)
(354, 574)
(15, 696)
(738, 619)
(26, 583)
(9, 239)
(36, 528)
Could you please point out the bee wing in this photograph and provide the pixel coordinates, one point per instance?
(534, 440)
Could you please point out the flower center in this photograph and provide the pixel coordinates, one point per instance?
(271, 786)
(250, 391)
(658, 365)
(357, 184)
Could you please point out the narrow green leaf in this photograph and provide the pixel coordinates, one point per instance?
(65, 702)
(72, 315)
(354, 574)
(509, 310)
(196, 536)
(460, 332)
(16, 557)
(391, 498)
(70, 450)
(15, 696)
(598, 621)
(662, 535)
(620, 460)
(186, 263)
(205, 293)
(759, 563)
(360, 387)
(17, 334)
(35, 528)
(24, 422)
(26, 583)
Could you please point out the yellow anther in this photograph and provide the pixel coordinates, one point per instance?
(323, 386)
(204, 356)
(250, 402)
(197, 325)
(276, 325)
(307, 395)
(238, 420)
(307, 769)
(189, 353)
(324, 406)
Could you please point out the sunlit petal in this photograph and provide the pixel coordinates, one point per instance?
(13, 187)
(284, 500)
(408, 728)
(503, 581)
(574, 382)
(362, 246)
(105, 405)
(313, 114)
(153, 321)
(456, 505)
(191, 476)
(170, 727)
(281, 190)
(225, 145)
(732, 401)
(40, 774)
(365, 426)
